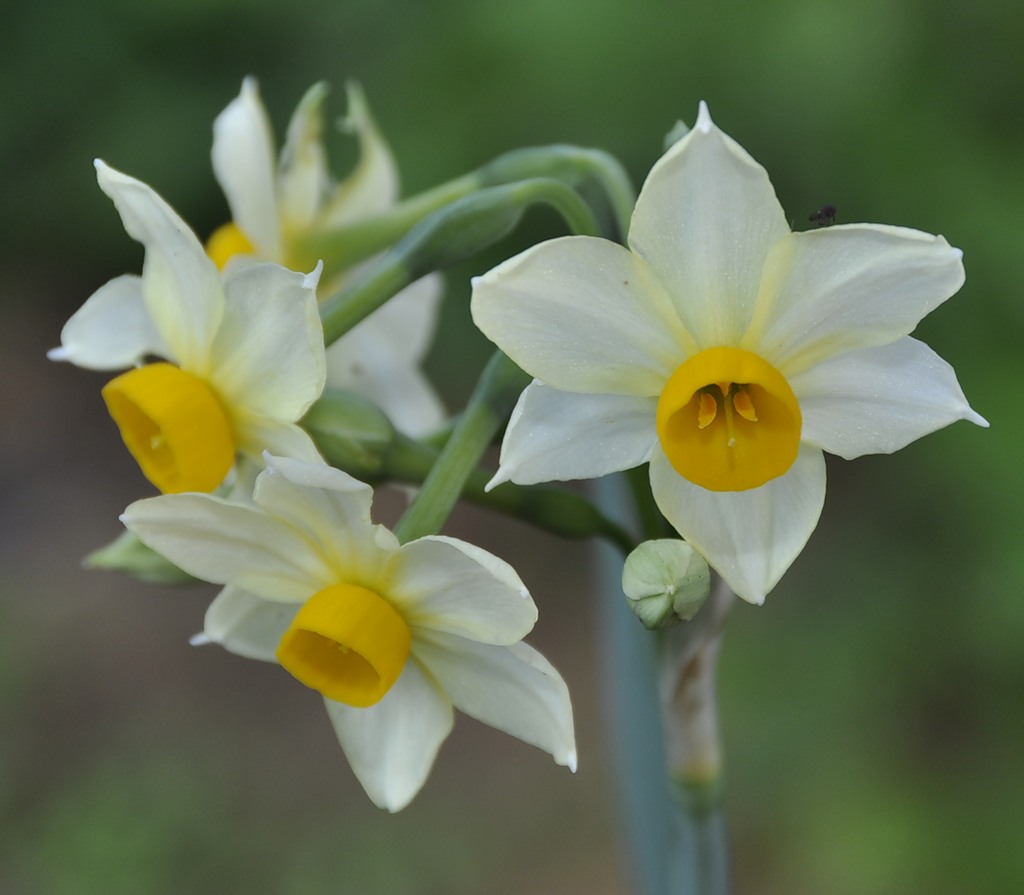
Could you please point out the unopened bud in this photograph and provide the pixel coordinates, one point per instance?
(128, 554)
(351, 432)
(665, 582)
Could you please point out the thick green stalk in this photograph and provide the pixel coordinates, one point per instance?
(353, 435)
(457, 231)
(490, 404)
(689, 657)
(347, 245)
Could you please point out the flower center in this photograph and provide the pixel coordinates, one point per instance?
(174, 426)
(348, 643)
(227, 241)
(728, 420)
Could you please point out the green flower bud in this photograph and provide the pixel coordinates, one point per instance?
(128, 554)
(665, 582)
(351, 432)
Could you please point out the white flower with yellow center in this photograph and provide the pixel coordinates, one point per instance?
(244, 354)
(726, 350)
(276, 202)
(393, 636)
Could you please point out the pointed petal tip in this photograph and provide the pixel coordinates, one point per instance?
(976, 418)
(503, 475)
(358, 108)
(570, 761)
(199, 639)
(58, 353)
(312, 278)
(704, 122)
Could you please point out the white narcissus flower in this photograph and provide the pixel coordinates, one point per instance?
(244, 354)
(275, 202)
(392, 635)
(726, 350)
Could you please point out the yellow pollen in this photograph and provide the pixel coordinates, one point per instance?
(744, 406)
(348, 643)
(174, 426)
(707, 411)
(227, 241)
(755, 437)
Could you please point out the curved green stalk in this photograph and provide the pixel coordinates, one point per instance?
(353, 435)
(490, 404)
(457, 231)
(344, 246)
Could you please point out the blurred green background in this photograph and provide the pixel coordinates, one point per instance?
(873, 710)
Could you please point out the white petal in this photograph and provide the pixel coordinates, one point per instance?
(378, 359)
(583, 315)
(230, 544)
(853, 286)
(331, 508)
(401, 391)
(392, 745)
(556, 436)
(443, 584)
(255, 435)
(372, 187)
(302, 177)
(243, 162)
(180, 284)
(112, 330)
(878, 400)
(749, 537)
(705, 219)
(511, 688)
(268, 357)
(248, 625)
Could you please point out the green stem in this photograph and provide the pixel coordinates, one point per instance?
(344, 246)
(347, 245)
(572, 164)
(457, 231)
(490, 404)
(652, 523)
(689, 656)
(354, 435)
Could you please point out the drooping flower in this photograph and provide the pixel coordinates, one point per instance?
(243, 355)
(275, 203)
(393, 636)
(724, 349)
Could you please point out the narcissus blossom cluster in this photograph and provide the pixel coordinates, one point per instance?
(267, 366)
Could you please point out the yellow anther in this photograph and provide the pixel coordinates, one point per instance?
(744, 406)
(707, 411)
(347, 643)
(174, 426)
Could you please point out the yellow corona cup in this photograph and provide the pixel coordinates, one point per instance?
(348, 643)
(174, 426)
